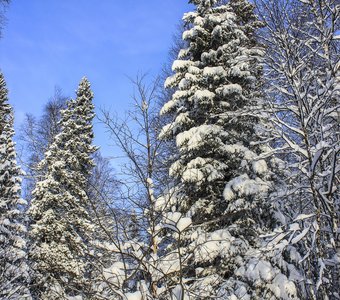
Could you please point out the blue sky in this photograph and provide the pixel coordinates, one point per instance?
(47, 43)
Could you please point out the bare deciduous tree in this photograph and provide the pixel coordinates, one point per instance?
(302, 65)
(140, 241)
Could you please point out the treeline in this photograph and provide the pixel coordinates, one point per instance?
(229, 187)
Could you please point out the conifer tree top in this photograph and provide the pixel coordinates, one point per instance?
(3, 92)
(203, 4)
(84, 86)
(60, 221)
(207, 3)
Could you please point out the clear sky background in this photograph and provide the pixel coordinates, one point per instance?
(56, 42)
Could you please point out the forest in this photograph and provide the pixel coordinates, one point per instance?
(229, 186)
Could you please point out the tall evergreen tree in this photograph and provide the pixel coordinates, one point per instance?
(36, 135)
(13, 267)
(61, 227)
(222, 172)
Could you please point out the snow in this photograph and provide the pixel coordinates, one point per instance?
(236, 148)
(115, 274)
(175, 168)
(300, 236)
(204, 95)
(197, 136)
(167, 199)
(176, 221)
(244, 186)
(260, 166)
(188, 34)
(75, 298)
(165, 131)
(283, 288)
(172, 217)
(214, 71)
(231, 89)
(184, 84)
(275, 242)
(177, 292)
(179, 65)
(182, 53)
(207, 246)
(171, 80)
(169, 263)
(194, 70)
(134, 296)
(294, 227)
(199, 21)
(238, 72)
(259, 270)
(193, 175)
(303, 217)
(216, 18)
(168, 107)
(182, 118)
(214, 173)
(178, 95)
(228, 194)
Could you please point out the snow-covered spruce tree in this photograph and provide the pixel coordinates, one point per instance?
(303, 73)
(13, 267)
(222, 173)
(61, 228)
(36, 135)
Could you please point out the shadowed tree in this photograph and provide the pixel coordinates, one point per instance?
(302, 72)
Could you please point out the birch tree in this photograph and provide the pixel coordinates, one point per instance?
(140, 240)
(302, 66)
